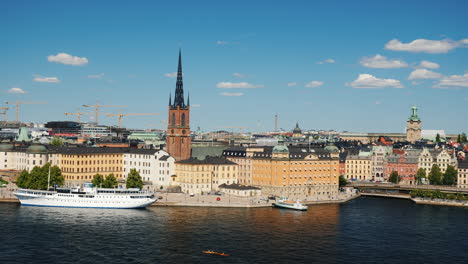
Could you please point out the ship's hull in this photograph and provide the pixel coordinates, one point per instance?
(292, 207)
(74, 201)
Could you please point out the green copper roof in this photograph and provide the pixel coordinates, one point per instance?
(414, 114)
(5, 147)
(36, 148)
(280, 149)
(23, 135)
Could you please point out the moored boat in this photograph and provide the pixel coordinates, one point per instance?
(87, 197)
(294, 205)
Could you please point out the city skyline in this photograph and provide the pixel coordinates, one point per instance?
(242, 64)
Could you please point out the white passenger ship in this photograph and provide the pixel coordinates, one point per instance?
(87, 197)
(294, 205)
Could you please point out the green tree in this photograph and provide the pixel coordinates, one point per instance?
(463, 137)
(342, 181)
(459, 138)
(98, 180)
(110, 181)
(38, 177)
(134, 179)
(394, 178)
(56, 177)
(450, 175)
(435, 175)
(421, 174)
(56, 141)
(437, 138)
(23, 179)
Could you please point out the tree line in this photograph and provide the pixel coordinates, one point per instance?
(133, 180)
(438, 195)
(37, 178)
(435, 176)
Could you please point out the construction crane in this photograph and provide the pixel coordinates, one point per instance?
(5, 109)
(79, 114)
(239, 127)
(17, 107)
(96, 109)
(120, 116)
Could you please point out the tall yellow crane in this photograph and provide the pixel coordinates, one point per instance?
(5, 109)
(17, 107)
(79, 114)
(96, 109)
(120, 116)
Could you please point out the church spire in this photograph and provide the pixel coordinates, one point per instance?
(188, 99)
(179, 93)
(170, 99)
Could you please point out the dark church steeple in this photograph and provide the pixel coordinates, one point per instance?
(178, 140)
(179, 93)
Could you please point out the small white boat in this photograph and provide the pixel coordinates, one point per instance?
(294, 205)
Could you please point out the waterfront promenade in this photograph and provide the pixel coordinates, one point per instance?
(182, 199)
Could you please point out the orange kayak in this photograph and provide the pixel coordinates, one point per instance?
(215, 253)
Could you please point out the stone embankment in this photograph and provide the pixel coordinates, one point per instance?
(181, 199)
(6, 194)
(440, 202)
(418, 200)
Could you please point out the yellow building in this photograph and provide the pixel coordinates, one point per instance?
(80, 164)
(243, 157)
(358, 167)
(202, 176)
(296, 172)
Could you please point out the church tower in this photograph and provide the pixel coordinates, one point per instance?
(413, 126)
(178, 139)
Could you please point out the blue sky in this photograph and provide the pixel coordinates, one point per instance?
(343, 65)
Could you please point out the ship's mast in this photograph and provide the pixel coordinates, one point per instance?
(48, 178)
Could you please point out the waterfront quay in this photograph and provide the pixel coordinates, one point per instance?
(387, 190)
(182, 199)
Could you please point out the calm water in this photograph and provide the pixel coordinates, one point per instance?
(365, 230)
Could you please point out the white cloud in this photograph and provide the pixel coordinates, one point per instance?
(96, 76)
(195, 105)
(291, 84)
(381, 62)
(39, 78)
(238, 75)
(231, 94)
(453, 81)
(377, 102)
(314, 84)
(425, 45)
(16, 90)
(326, 61)
(221, 42)
(429, 65)
(68, 59)
(423, 74)
(372, 82)
(241, 85)
(171, 74)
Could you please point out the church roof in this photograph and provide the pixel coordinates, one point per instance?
(179, 92)
(297, 130)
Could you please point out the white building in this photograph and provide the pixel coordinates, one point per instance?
(462, 179)
(379, 154)
(155, 166)
(442, 158)
(18, 158)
